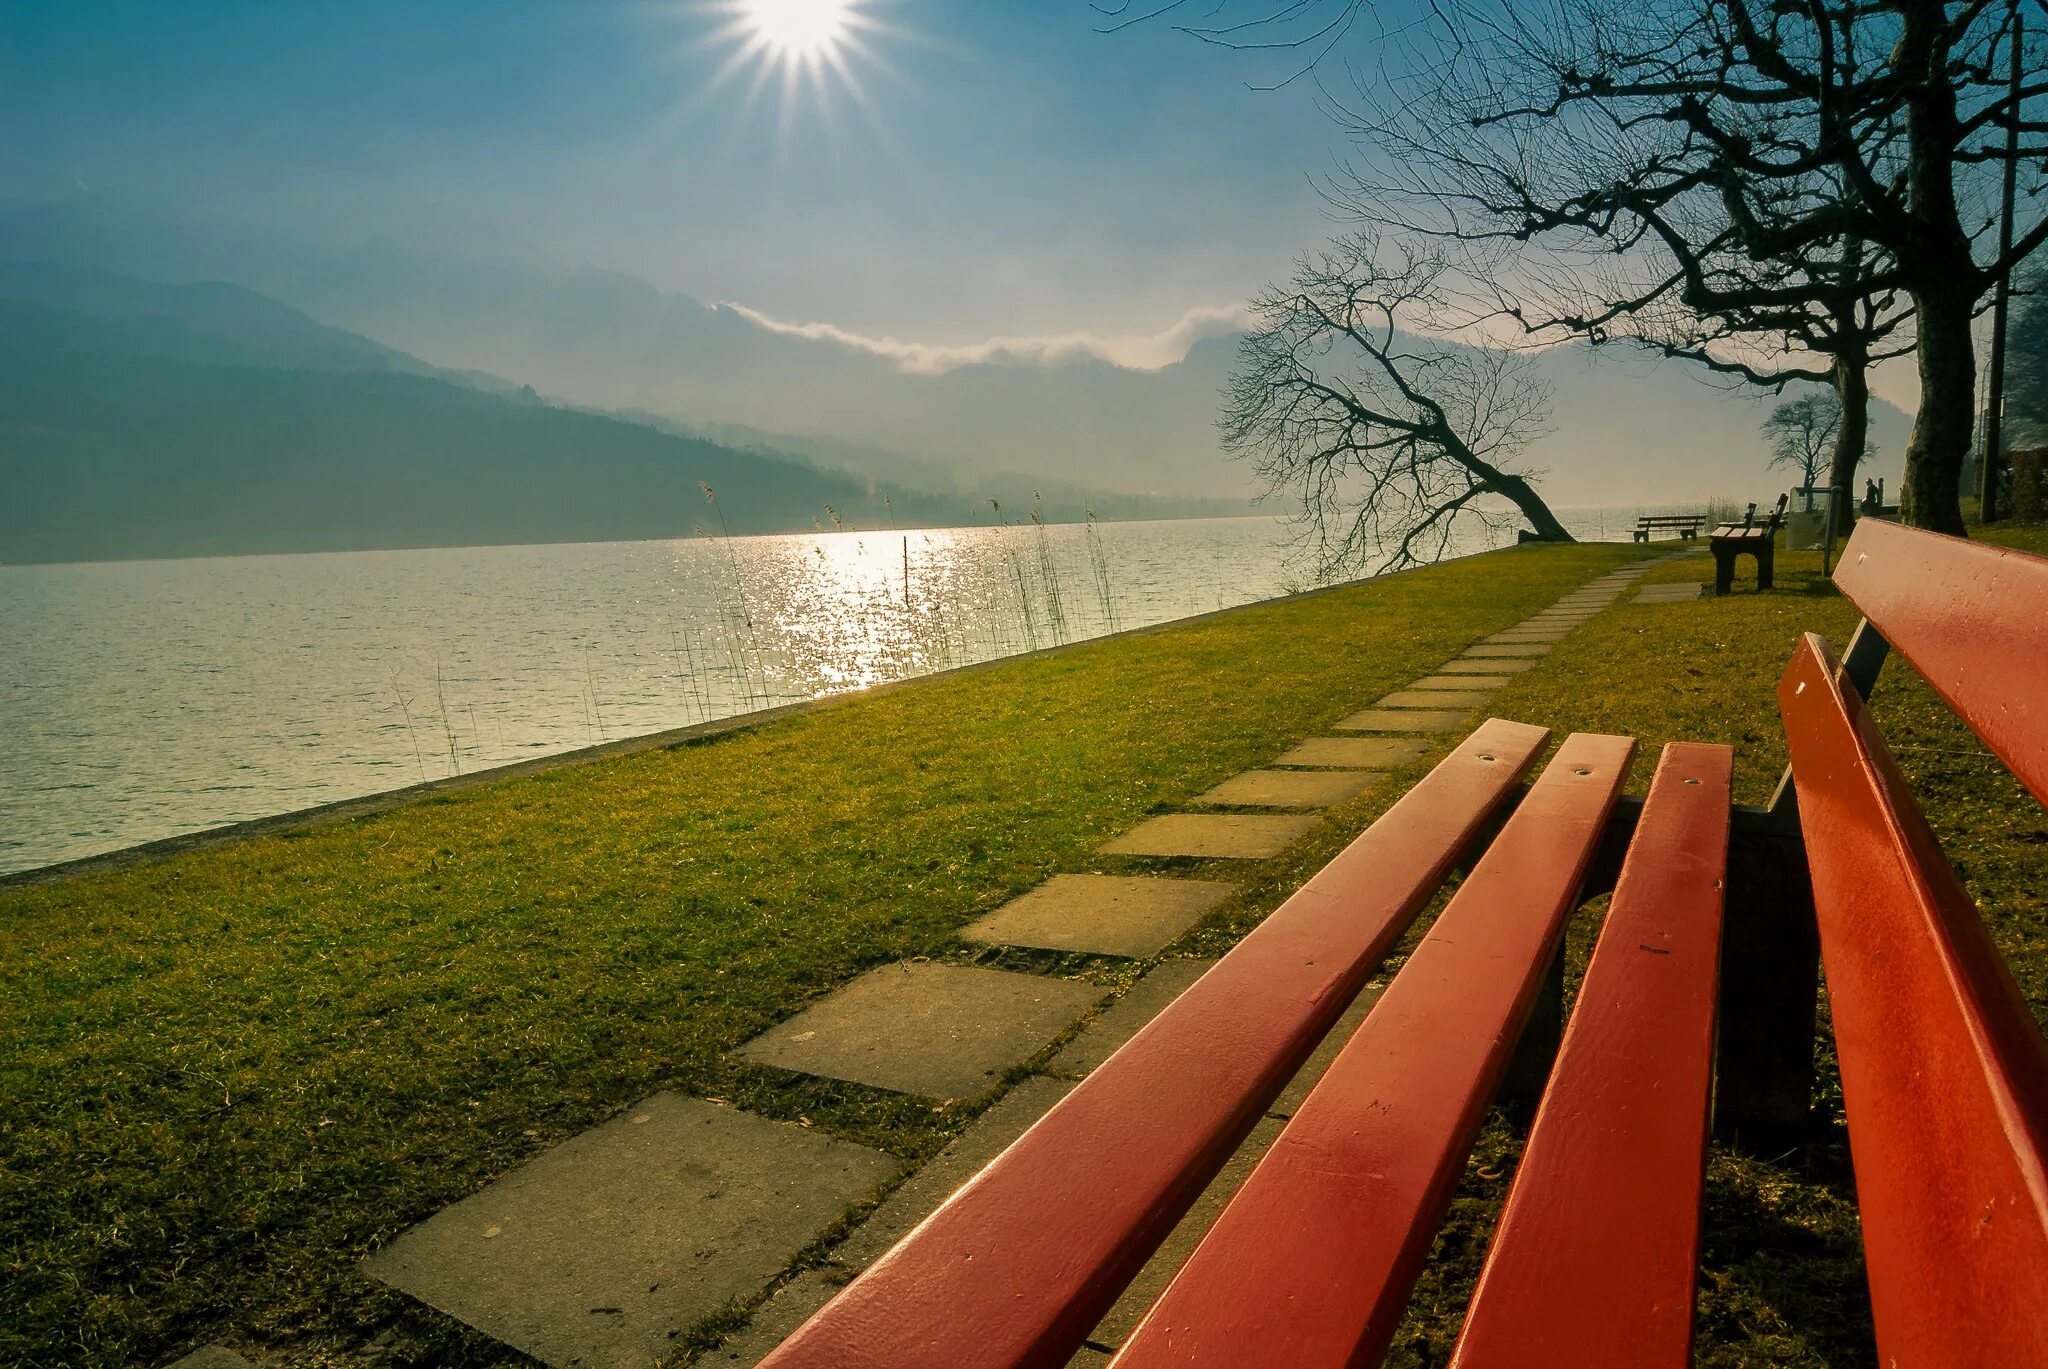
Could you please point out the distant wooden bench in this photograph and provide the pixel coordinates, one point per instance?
(1758, 541)
(1686, 525)
(1688, 1006)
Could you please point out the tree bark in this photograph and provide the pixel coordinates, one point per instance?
(1852, 435)
(1541, 520)
(1948, 279)
(1948, 397)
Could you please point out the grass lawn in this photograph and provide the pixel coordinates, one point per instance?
(232, 1072)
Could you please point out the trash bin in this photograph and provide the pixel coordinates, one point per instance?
(1802, 531)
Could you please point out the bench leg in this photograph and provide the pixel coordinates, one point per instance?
(1770, 986)
(1724, 571)
(1764, 558)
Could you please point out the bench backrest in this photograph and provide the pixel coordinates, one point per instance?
(1973, 620)
(1944, 1069)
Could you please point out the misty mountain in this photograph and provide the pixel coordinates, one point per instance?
(1624, 428)
(111, 451)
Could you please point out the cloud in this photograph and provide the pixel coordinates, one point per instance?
(1148, 352)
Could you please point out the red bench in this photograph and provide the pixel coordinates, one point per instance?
(1688, 1010)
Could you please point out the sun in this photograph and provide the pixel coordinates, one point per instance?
(814, 52)
(800, 30)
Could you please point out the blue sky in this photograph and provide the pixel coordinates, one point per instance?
(1015, 171)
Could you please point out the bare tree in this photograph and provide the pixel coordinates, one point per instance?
(1802, 434)
(1386, 438)
(1700, 134)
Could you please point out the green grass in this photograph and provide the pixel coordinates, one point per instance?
(233, 1072)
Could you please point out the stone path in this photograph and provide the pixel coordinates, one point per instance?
(1102, 914)
(1671, 594)
(604, 1249)
(936, 1030)
(1227, 836)
(212, 1357)
(1289, 788)
(600, 1250)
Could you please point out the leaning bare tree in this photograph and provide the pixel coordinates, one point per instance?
(1385, 438)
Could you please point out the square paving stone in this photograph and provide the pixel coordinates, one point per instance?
(211, 1357)
(1349, 753)
(1481, 652)
(1669, 594)
(1144, 1290)
(1458, 684)
(1291, 1098)
(1232, 836)
(602, 1250)
(1400, 720)
(1290, 788)
(1541, 637)
(920, 1195)
(1106, 914)
(1462, 696)
(1121, 1020)
(1499, 665)
(939, 1031)
(775, 1319)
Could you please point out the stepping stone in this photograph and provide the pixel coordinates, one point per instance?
(939, 1031)
(602, 1250)
(1123, 1317)
(1542, 636)
(1290, 788)
(985, 1138)
(1296, 1093)
(1229, 836)
(1499, 665)
(775, 1319)
(1669, 594)
(211, 1357)
(1349, 753)
(1408, 719)
(1481, 652)
(1477, 684)
(1103, 914)
(1461, 695)
(1144, 1290)
(1121, 1020)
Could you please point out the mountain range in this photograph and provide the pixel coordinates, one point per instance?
(514, 327)
(144, 420)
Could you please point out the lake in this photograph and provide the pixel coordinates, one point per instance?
(145, 699)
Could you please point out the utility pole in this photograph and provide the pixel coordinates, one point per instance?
(1994, 406)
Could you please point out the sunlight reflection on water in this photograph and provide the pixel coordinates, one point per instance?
(143, 699)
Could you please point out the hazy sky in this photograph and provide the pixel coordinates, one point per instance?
(1006, 168)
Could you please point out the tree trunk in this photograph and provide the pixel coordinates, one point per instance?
(1541, 519)
(1947, 279)
(1948, 397)
(1852, 387)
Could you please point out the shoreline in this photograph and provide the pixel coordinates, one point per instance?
(385, 800)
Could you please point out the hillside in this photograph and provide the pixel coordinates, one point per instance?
(139, 425)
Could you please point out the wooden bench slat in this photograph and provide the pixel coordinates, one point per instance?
(1594, 1259)
(1973, 619)
(1311, 1263)
(1018, 1266)
(1944, 1072)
